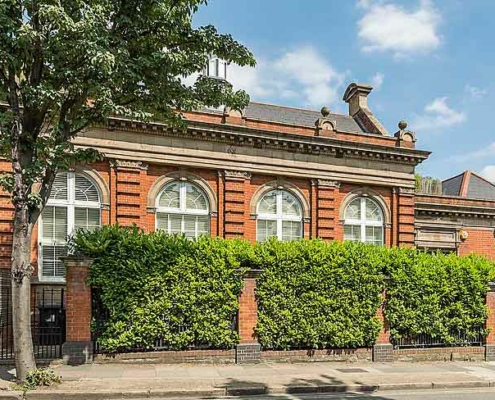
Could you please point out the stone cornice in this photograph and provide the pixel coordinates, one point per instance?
(455, 210)
(244, 136)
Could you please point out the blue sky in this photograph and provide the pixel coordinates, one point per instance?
(432, 63)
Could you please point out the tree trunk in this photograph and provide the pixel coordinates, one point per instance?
(21, 293)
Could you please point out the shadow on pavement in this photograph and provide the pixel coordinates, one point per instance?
(304, 388)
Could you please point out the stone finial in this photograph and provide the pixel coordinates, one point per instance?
(325, 112)
(404, 135)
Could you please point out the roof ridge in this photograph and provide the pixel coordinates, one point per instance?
(295, 108)
(482, 178)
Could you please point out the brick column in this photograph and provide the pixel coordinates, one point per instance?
(325, 219)
(490, 323)
(383, 349)
(248, 349)
(235, 203)
(78, 348)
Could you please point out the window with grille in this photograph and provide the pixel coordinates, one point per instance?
(182, 208)
(279, 215)
(363, 221)
(74, 203)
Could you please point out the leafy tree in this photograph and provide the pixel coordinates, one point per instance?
(66, 65)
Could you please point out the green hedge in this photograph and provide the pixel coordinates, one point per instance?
(436, 294)
(151, 284)
(314, 294)
(311, 294)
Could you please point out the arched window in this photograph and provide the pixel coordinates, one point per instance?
(74, 203)
(363, 221)
(183, 208)
(279, 215)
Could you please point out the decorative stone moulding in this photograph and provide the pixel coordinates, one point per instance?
(244, 175)
(404, 135)
(128, 164)
(324, 124)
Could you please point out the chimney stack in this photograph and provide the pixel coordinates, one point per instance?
(357, 97)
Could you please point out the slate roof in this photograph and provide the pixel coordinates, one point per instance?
(470, 185)
(299, 117)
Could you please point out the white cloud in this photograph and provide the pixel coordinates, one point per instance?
(489, 172)
(388, 27)
(438, 115)
(302, 73)
(474, 92)
(377, 80)
(486, 151)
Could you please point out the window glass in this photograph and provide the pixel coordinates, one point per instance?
(279, 215)
(74, 203)
(183, 209)
(364, 221)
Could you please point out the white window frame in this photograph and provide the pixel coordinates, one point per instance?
(182, 210)
(70, 204)
(363, 222)
(279, 217)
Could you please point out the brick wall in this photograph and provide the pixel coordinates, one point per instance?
(479, 241)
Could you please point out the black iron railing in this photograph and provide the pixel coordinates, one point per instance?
(47, 323)
(100, 316)
(457, 339)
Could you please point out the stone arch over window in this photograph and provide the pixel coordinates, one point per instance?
(158, 186)
(366, 192)
(280, 184)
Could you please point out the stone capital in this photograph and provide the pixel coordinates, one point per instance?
(240, 175)
(328, 183)
(128, 164)
(406, 191)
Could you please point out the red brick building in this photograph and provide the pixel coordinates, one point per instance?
(264, 171)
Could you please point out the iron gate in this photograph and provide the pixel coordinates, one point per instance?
(47, 321)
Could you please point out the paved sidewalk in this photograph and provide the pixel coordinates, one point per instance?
(100, 381)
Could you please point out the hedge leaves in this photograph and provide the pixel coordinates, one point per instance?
(311, 294)
(314, 294)
(159, 286)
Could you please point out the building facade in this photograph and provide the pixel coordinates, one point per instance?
(256, 173)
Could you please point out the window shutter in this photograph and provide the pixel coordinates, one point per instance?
(59, 187)
(195, 199)
(54, 224)
(87, 218)
(175, 223)
(52, 265)
(291, 230)
(170, 197)
(352, 233)
(86, 190)
(189, 225)
(266, 229)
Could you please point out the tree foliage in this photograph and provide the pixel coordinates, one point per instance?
(65, 65)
